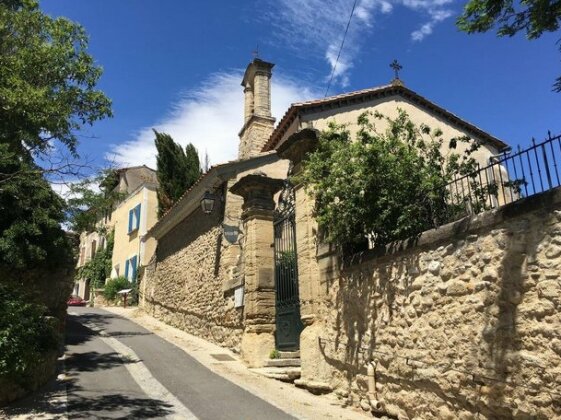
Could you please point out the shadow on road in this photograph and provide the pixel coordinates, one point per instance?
(92, 360)
(107, 406)
(66, 398)
(50, 403)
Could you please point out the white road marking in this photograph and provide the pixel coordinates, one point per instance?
(142, 376)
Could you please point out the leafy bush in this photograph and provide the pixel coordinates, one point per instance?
(26, 335)
(115, 285)
(385, 186)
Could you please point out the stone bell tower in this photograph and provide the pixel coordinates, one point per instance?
(258, 122)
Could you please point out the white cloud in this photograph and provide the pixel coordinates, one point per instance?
(437, 15)
(210, 117)
(312, 25)
(320, 24)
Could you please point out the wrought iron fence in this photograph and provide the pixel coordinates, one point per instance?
(509, 177)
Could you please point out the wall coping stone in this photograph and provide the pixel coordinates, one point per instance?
(460, 228)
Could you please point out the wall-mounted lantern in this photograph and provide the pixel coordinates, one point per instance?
(207, 202)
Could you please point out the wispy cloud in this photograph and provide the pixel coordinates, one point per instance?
(436, 11)
(313, 25)
(210, 117)
(320, 24)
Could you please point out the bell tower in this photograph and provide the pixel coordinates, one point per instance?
(258, 122)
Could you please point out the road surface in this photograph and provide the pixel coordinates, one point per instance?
(114, 368)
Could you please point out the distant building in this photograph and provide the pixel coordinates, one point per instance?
(130, 220)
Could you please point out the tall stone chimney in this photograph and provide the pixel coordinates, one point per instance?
(258, 122)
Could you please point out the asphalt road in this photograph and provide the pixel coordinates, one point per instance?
(114, 368)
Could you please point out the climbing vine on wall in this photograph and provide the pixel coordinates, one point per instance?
(99, 267)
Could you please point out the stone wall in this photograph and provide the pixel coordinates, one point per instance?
(183, 284)
(464, 323)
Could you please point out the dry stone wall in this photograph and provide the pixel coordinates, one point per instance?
(184, 281)
(465, 326)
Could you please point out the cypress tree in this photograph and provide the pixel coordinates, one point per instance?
(177, 170)
(194, 164)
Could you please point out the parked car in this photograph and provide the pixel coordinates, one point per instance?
(76, 300)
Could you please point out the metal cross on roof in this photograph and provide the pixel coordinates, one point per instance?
(396, 68)
(255, 52)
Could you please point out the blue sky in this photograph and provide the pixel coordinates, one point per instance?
(176, 65)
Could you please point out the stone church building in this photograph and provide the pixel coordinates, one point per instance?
(238, 262)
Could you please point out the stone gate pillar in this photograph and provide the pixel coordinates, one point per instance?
(258, 339)
(316, 372)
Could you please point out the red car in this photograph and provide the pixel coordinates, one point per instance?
(76, 300)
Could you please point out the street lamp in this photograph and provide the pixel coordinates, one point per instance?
(207, 202)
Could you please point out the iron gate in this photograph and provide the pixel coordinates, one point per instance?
(288, 323)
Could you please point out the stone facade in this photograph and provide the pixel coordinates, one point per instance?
(464, 323)
(184, 281)
(258, 121)
(192, 279)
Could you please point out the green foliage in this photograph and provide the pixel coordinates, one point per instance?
(47, 80)
(93, 199)
(47, 94)
(532, 16)
(30, 226)
(275, 354)
(99, 267)
(25, 335)
(115, 285)
(177, 170)
(386, 186)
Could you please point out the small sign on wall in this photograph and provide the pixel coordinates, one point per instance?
(231, 233)
(238, 296)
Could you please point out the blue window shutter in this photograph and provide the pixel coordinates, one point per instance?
(127, 269)
(130, 221)
(137, 211)
(134, 267)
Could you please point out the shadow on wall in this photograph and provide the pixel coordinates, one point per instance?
(359, 303)
(444, 322)
(519, 244)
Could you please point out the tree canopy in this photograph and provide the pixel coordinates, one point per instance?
(385, 186)
(47, 94)
(92, 199)
(47, 80)
(32, 213)
(531, 16)
(177, 170)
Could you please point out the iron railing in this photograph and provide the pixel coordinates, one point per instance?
(510, 176)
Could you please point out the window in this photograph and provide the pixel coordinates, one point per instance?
(131, 268)
(82, 256)
(134, 219)
(93, 249)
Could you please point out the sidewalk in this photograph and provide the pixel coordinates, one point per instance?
(295, 401)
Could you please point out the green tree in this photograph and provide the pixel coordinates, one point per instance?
(177, 170)
(32, 213)
(531, 16)
(47, 80)
(47, 94)
(387, 186)
(92, 199)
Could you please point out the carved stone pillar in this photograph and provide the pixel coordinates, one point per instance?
(316, 373)
(258, 261)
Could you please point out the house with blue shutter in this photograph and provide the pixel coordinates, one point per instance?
(130, 219)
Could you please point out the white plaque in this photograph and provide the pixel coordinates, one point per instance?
(238, 297)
